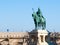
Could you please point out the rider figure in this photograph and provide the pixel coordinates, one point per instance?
(39, 20)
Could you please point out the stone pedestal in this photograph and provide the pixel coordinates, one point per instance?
(42, 37)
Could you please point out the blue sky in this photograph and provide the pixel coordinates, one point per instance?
(16, 15)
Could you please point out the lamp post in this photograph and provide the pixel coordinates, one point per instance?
(8, 37)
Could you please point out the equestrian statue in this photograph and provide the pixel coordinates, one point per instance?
(39, 20)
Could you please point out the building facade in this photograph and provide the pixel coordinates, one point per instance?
(25, 38)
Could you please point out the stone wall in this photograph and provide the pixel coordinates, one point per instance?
(23, 38)
(13, 38)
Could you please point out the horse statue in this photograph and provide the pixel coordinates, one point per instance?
(39, 20)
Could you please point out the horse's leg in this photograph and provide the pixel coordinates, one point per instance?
(42, 25)
(35, 23)
(35, 26)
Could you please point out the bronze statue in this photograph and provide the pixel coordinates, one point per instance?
(39, 20)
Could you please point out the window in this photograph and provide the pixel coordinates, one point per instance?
(20, 43)
(41, 38)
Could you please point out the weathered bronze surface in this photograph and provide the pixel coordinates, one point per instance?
(39, 20)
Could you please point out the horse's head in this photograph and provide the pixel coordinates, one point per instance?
(34, 14)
